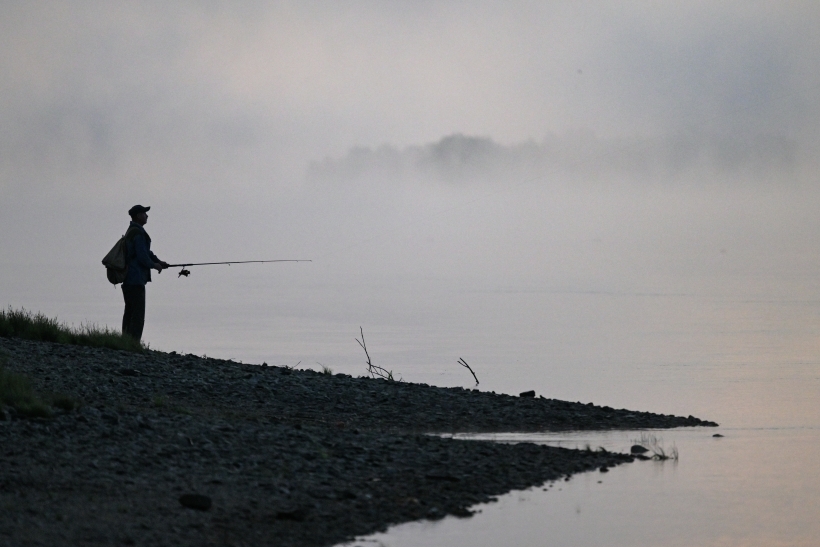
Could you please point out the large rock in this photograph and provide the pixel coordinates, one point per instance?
(195, 501)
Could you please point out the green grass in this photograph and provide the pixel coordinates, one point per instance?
(16, 392)
(36, 326)
(64, 402)
(179, 409)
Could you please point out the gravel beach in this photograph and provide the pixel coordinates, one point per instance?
(170, 449)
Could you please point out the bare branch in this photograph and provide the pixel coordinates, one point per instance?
(364, 347)
(463, 363)
(374, 371)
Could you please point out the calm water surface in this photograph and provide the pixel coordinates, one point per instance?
(750, 488)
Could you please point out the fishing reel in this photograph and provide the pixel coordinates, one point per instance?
(184, 272)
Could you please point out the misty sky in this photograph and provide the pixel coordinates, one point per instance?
(153, 99)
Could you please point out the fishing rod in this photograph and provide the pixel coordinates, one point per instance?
(186, 273)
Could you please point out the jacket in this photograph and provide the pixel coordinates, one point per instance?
(138, 256)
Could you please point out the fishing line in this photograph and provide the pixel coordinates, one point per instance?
(184, 272)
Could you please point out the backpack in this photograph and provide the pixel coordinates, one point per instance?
(116, 267)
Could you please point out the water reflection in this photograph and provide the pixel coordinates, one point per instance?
(751, 488)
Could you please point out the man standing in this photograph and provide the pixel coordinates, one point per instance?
(139, 260)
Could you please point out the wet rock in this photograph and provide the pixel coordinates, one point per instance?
(441, 477)
(298, 514)
(90, 412)
(717, 435)
(434, 513)
(195, 501)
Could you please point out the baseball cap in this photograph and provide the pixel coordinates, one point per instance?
(137, 209)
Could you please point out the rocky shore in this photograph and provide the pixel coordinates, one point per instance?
(169, 449)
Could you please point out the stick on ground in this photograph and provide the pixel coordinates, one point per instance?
(375, 371)
(463, 363)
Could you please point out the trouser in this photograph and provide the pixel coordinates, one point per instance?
(134, 317)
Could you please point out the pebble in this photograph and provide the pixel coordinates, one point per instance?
(299, 514)
(195, 501)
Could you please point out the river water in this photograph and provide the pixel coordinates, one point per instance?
(749, 488)
(704, 303)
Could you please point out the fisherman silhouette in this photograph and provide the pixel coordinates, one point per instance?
(140, 261)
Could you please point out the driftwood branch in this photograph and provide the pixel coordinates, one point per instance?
(364, 347)
(463, 363)
(375, 371)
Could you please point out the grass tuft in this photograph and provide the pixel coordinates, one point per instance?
(64, 402)
(16, 392)
(655, 445)
(36, 326)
